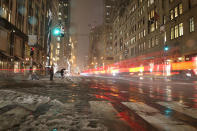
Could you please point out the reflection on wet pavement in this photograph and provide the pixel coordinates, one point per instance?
(104, 104)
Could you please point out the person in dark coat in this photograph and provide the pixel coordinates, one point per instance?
(51, 73)
(62, 73)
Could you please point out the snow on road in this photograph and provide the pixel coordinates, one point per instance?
(25, 112)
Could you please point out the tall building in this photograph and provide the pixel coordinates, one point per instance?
(54, 43)
(143, 28)
(96, 49)
(18, 19)
(73, 58)
(108, 11)
(65, 46)
(60, 48)
(101, 38)
(109, 15)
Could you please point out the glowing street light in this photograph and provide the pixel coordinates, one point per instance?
(56, 31)
(166, 48)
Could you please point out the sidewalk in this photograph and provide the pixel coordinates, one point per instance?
(21, 77)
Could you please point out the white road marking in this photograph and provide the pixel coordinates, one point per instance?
(180, 108)
(103, 109)
(155, 118)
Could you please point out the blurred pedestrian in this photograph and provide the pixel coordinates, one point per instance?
(51, 73)
(35, 76)
(62, 73)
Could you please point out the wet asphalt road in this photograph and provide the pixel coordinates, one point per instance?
(99, 104)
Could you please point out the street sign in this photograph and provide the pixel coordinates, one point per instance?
(32, 40)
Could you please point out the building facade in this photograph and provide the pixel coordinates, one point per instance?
(101, 38)
(65, 45)
(73, 59)
(143, 28)
(60, 46)
(18, 19)
(54, 44)
(96, 49)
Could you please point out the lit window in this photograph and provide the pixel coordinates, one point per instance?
(172, 33)
(151, 2)
(176, 12)
(165, 38)
(164, 19)
(152, 42)
(191, 24)
(9, 17)
(181, 29)
(156, 24)
(57, 52)
(152, 27)
(156, 40)
(58, 45)
(142, 34)
(152, 13)
(172, 14)
(176, 31)
(180, 9)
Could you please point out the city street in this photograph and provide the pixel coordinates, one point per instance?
(97, 104)
(98, 65)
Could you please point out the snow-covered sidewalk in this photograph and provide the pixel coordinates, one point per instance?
(22, 111)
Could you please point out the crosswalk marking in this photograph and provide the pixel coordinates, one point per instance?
(180, 108)
(155, 118)
(103, 109)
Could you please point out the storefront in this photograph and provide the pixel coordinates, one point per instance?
(11, 47)
(4, 50)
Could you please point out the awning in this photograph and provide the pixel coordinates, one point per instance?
(5, 54)
(19, 58)
(35, 63)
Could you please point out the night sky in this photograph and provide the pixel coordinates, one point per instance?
(84, 15)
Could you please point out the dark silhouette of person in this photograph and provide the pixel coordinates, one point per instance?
(51, 73)
(62, 73)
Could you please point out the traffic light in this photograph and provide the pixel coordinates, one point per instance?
(32, 51)
(166, 48)
(62, 31)
(62, 34)
(56, 31)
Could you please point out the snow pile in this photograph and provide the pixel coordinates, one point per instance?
(40, 113)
